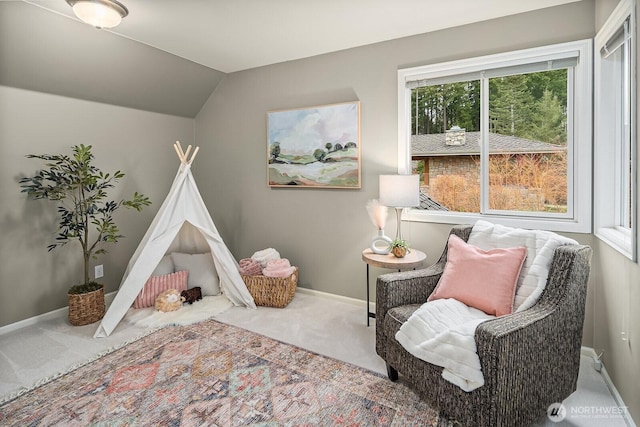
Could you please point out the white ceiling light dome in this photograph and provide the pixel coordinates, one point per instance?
(99, 13)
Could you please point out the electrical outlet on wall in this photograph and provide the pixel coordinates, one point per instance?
(99, 271)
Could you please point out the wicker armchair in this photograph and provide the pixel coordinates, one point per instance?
(529, 359)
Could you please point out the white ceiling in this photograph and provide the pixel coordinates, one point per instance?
(233, 35)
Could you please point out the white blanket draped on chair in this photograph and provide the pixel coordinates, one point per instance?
(441, 332)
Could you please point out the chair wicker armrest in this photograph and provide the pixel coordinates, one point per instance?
(519, 354)
(405, 287)
(560, 301)
(408, 287)
(527, 351)
(402, 288)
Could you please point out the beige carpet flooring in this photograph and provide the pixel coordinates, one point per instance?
(327, 326)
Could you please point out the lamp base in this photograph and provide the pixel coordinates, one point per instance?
(399, 226)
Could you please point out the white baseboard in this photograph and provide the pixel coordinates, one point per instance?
(61, 312)
(590, 352)
(348, 300)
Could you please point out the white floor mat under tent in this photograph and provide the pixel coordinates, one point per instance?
(203, 309)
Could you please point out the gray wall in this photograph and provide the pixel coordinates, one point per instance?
(136, 142)
(324, 231)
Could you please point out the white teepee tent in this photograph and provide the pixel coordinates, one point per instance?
(182, 224)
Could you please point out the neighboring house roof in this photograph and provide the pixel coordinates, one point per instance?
(434, 145)
(427, 202)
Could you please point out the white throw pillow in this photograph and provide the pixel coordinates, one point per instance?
(164, 267)
(540, 245)
(202, 271)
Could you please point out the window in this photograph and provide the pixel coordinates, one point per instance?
(504, 137)
(615, 131)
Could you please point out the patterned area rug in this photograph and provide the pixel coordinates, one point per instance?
(210, 374)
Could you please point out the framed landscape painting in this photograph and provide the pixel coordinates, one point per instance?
(315, 147)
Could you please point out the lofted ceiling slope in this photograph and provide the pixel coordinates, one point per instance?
(168, 56)
(46, 52)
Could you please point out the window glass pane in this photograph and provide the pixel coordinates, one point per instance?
(445, 148)
(616, 109)
(627, 149)
(528, 142)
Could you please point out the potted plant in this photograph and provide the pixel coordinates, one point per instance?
(86, 216)
(399, 248)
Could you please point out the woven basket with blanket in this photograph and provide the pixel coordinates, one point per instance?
(272, 291)
(271, 280)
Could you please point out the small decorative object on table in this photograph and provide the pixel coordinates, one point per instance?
(378, 215)
(399, 248)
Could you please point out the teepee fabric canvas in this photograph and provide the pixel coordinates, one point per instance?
(182, 224)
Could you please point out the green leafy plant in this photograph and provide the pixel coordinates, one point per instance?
(399, 243)
(399, 247)
(86, 215)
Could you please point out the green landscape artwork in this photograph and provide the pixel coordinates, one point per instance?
(316, 147)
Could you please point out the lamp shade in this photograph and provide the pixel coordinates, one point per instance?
(99, 13)
(402, 191)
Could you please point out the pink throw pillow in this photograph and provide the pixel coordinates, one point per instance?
(485, 280)
(158, 284)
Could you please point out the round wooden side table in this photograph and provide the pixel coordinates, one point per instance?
(412, 260)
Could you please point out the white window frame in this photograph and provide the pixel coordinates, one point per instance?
(579, 170)
(609, 155)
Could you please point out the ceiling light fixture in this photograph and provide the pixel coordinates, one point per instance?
(99, 13)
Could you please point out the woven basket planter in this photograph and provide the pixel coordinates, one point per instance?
(86, 308)
(272, 291)
(399, 252)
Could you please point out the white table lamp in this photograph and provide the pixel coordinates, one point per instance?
(399, 192)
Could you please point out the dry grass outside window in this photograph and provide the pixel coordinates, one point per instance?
(520, 182)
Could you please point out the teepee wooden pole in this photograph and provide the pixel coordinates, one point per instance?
(178, 149)
(184, 155)
(193, 156)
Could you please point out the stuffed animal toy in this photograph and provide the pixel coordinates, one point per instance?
(192, 295)
(169, 300)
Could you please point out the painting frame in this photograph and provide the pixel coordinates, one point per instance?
(315, 147)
